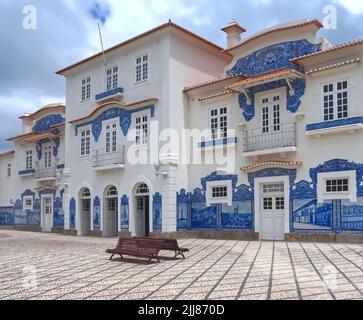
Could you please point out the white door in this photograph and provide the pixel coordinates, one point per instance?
(140, 216)
(47, 214)
(273, 212)
(112, 221)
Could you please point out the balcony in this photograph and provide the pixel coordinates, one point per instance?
(106, 159)
(279, 139)
(114, 94)
(45, 174)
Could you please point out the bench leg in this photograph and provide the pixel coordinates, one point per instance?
(179, 254)
(112, 257)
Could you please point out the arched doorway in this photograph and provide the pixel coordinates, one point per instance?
(142, 210)
(85, 212)
(110, 212)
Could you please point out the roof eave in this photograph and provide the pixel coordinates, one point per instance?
(140, 36)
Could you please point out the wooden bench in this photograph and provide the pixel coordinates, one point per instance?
(168, 245)
(136, 248)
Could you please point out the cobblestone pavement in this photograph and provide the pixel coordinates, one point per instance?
(48, 266)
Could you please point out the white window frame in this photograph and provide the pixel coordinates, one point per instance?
(222, 132)
(31, 206)
(48, 155)
(271, 121)
(29, 159)
(351, 195)
(218, 184)
(335, 93)
(114, 77)
(86, 140)
(141, 139)
(87, 87)
(111, 128)
(142, 64)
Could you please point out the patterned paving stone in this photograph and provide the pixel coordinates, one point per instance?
(49, 267)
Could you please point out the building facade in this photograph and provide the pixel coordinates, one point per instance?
(276, 149)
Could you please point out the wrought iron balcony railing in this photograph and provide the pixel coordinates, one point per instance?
(109, 157)
(45, 173)
(272, 137)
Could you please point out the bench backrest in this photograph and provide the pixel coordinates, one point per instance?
(138, 244)
(166, 244)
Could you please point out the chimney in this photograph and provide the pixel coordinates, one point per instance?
(234, 31)
(27, 123)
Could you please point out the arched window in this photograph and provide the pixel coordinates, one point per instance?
(111, 192)
(142, 189)
(86, 194)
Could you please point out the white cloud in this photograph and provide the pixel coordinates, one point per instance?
(140, 16)
(354, 6)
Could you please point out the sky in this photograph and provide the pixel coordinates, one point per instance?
(66, 32)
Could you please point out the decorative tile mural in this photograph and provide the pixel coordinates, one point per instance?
(193, 214)
(352, 215)
(125, 213)
(274, 57)
(182, 210)
(7, 216)
(157, 211)
(58, 213)
(309, 215)
(96, 213)
(72, 213)
(124, 116)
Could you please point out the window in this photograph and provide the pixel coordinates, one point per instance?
(280, 203)
(112, 78)
(276, 115)
(111, 138)
(111, 192)
(29, 160)
(47, 156)
(86, 89)
(142, 189)
(86, 194)
(9, 170)
(337, 185)
(219, 192)
(219, 123)
(142, 68)
(85, 142)
(265, 120)
(267, 203)
(142, 132)
(273, 188)
(28, 203)
(335, 100)
(271, 114)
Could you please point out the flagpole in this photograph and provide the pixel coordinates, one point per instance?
(103, 51)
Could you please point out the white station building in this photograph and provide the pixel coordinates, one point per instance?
(280, 155)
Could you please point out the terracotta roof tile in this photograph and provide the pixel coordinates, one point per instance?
(335, 48)
(287, 26)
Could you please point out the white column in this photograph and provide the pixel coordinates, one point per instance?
(169, 190)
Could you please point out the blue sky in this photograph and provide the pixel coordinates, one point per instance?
(67, 32)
